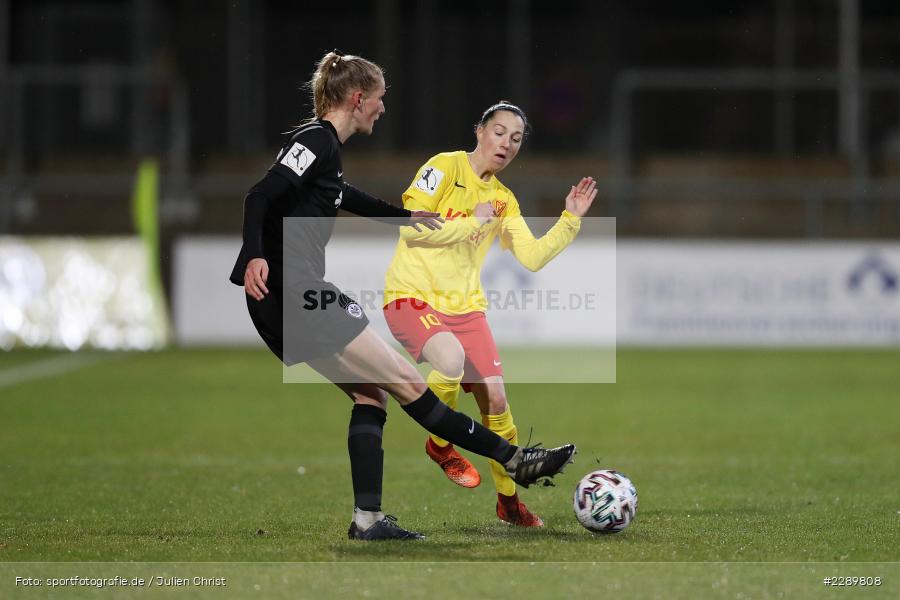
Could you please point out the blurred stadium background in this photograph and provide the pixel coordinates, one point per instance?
(754, 121)
(748, 150)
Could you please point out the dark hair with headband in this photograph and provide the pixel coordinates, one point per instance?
(338, 74)
(507, 106)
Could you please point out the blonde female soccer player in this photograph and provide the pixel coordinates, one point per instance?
(292, 208)
(434, 304)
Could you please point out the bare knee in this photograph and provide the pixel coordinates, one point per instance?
(445, 354)
(367, 394)
(412, 384)
(404, 383)
(376, 397)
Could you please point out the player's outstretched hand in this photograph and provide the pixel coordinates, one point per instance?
(581, 196)
(431, 220)
(255, 278)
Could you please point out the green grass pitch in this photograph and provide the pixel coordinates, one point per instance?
(758, 472)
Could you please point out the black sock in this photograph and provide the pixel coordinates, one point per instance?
(457, 428)
(366, 455)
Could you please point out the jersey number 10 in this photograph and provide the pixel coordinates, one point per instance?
(429, 320)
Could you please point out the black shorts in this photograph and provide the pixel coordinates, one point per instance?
(308, 321)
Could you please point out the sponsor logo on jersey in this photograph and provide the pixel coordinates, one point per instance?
(298, 158)
(429, 180)
(477, 237)
(451, 214)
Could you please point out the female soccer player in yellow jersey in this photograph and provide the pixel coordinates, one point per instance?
(434, 304)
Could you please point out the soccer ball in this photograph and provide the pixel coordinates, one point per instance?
(605, 501)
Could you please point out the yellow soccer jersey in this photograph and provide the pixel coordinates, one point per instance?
(443, 267)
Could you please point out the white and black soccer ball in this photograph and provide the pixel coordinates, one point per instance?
(605, 501)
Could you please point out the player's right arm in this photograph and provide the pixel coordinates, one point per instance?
(256, 205)
(451, 232)
(433, 180)
(294, 164)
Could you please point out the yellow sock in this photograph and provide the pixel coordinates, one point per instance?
(447, 389)
(503, 426)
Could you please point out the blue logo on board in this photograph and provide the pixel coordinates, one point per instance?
(873, 271)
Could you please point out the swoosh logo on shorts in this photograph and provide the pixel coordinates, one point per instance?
(472, 427)
(497, 363)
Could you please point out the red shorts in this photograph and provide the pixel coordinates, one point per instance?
(413, 322)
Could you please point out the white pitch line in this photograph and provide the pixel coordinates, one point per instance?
(48, 367)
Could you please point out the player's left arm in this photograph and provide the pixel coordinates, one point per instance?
(360, 203)
(533, 252)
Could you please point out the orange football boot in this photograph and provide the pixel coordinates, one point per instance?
(457, 469)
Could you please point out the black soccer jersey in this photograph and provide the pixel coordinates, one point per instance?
(305, 181)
